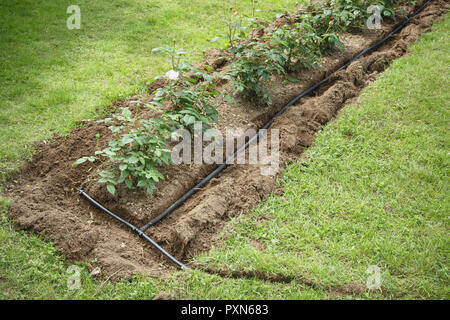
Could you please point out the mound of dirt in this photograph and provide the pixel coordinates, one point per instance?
(45, 194)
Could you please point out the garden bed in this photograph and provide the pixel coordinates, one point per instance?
(45, 193)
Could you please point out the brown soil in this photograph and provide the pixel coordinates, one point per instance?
(45, 193)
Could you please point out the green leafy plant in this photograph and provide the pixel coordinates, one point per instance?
(191, 94)
(280, 51)
(140, 145)
(238, 25)
(236, 29)
(174, 54)
(354, 12)
(255, 62)
(136, 152)
(295, 45)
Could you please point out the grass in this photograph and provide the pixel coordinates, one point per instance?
(50, 76)
(31, 268)
(372, 190)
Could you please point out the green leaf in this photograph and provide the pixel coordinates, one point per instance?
(142, 183)
(291, 79)
(111, 189)
(115, 129)
(126, 140)
(79, 161)
(150, 189)
(83, 160)
(189, 119)
(106, 174)
(208, 78)
(132, 160)
(129, 184)
(126, 113)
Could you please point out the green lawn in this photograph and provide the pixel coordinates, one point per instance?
(50, 76)
(372, 190)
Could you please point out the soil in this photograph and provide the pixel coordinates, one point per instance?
(45, 193)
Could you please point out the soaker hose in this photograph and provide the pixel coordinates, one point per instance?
(187, 195)
(132, 227)
(229, 160)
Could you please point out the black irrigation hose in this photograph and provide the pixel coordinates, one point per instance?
(132, 227)
(229, 160)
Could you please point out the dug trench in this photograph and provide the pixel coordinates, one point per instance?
(45, 193)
